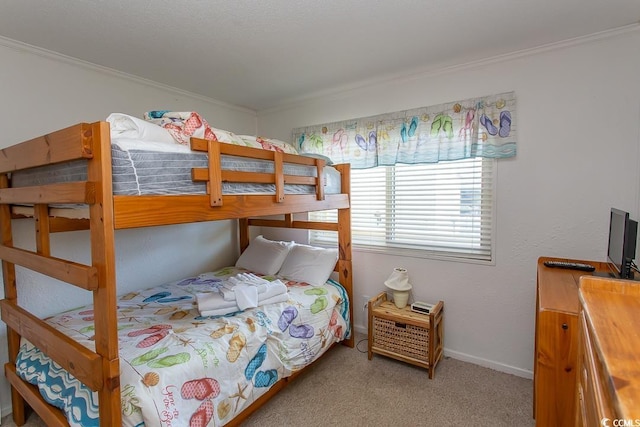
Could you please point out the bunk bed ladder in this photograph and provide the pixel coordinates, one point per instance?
(98, 370)
(11, 295)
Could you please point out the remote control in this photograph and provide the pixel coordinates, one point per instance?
(570, 265)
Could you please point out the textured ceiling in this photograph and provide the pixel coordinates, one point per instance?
(261, 54)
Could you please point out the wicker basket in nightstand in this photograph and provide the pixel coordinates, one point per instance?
(405, 335)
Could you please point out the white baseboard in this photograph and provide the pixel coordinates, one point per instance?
(496, 366)
(360, 329)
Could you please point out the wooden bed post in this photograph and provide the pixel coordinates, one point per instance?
(344, 245)
(18, 403)
(243, 228)
(103, 259)
(43, 241)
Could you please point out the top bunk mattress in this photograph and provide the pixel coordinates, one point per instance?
(145, 168)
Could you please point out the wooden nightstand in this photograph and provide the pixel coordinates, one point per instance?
(405, 335)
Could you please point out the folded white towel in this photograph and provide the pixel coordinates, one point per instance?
(249, 297)
(242, 279)
(213, 301)
(247, 278)
(246, 296)
(229, 292)
(274, 288)
(266, 290)
(228, 310)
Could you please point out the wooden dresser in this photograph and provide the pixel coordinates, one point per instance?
(608, 353)
(556, 343)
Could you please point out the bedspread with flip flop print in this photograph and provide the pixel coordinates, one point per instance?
(181, 369)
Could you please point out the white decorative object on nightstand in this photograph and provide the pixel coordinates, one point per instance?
(398, 282)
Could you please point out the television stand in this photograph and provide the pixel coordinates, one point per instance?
(556, 342)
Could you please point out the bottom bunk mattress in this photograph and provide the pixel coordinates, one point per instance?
(178, 368)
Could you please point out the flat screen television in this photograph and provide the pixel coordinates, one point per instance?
(621, 250)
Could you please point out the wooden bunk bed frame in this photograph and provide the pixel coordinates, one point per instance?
(100, 370)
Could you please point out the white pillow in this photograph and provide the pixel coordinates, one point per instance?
(125, 126)
(309, 264)
(264, 256)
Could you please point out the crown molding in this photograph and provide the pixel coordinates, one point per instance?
(293, 102)
(59, 57)
(439, 70)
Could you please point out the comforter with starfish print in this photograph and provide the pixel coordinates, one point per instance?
(181, 369)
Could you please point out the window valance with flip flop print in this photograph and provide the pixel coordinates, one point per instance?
(479, 127)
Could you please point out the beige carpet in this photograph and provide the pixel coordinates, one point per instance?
(345, 389)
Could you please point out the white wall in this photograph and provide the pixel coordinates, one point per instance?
(41, 92)
(578, 155)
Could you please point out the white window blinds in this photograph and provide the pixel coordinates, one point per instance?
(442, 209)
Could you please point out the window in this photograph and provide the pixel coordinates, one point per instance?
(442, 209)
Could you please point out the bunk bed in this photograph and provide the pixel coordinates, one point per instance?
(49, 202)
